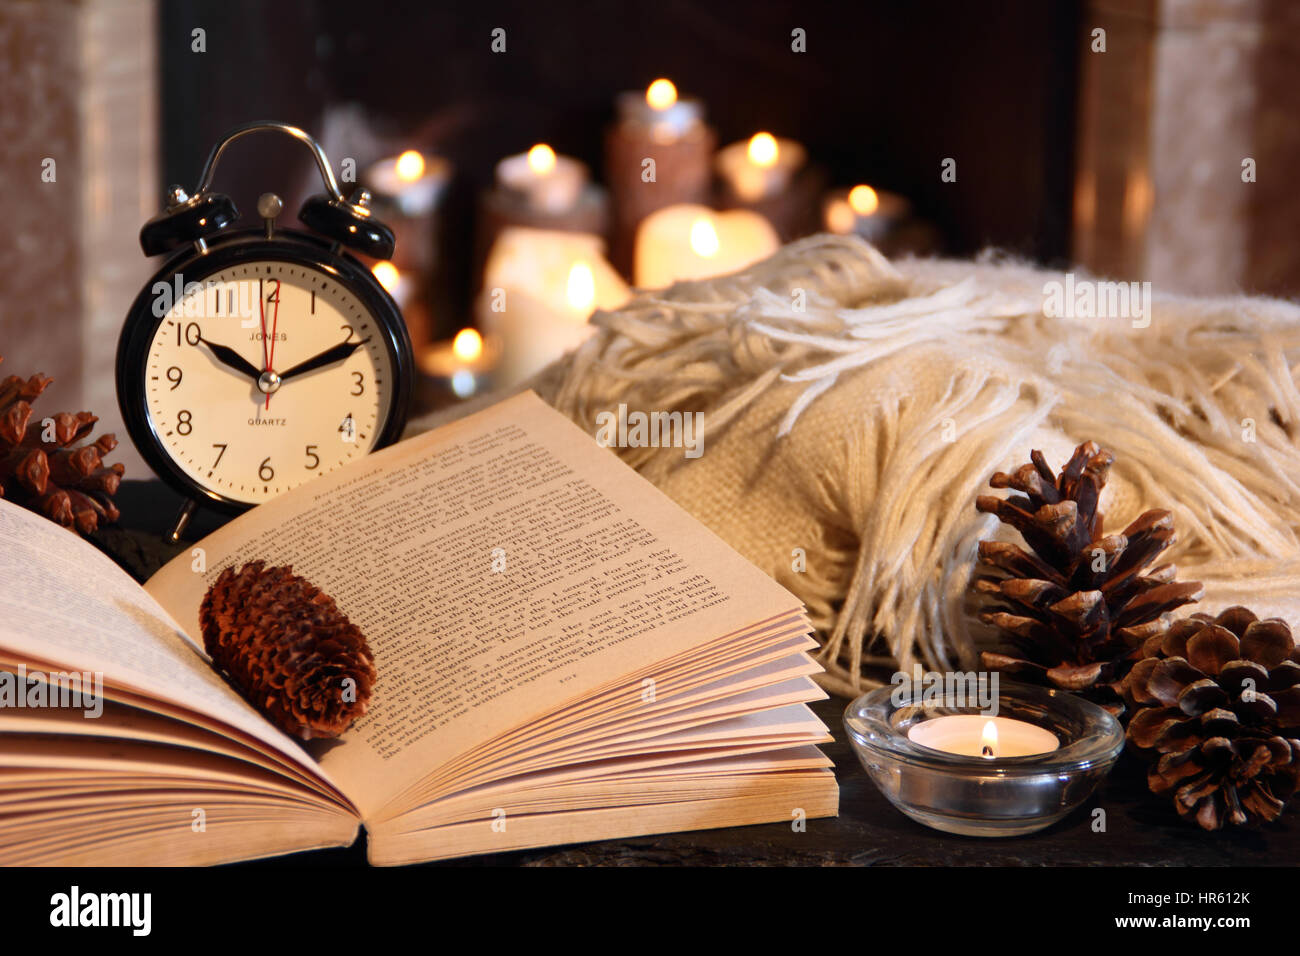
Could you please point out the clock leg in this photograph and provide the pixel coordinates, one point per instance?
(182, 520)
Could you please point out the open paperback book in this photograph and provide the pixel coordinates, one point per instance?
(563, 655)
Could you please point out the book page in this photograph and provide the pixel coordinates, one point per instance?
(64, 601)
(501, 566)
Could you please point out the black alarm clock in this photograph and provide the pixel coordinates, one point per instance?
(258, 358)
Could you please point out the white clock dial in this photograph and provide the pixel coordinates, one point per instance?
(248, 435)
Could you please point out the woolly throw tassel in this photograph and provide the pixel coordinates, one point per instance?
(854, 408)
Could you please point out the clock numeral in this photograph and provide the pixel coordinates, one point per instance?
(193, 334)
(184, 421)
(219, 454)
(174, 375)
(313, 301)
(274, 297)
(360, 384)
(350, 332)
(348, 429)
(313, 458)
(264, 470)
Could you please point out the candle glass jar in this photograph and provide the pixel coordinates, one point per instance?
(982, 796)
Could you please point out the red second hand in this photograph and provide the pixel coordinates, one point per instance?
(261, 308)
(275, 324)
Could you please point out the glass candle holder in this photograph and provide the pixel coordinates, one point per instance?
(979, 795)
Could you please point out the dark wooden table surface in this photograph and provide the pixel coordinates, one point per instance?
(1141, 830)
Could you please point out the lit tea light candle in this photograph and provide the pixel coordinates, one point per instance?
(974, 735)
(548, 182)
(665, 115)
(410, 183)
(390, 278)
(761, 167)
(695, 242)
(463, 364)
(539, 289)
(864, 211)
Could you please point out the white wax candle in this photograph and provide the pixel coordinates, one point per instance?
(539, 289)
(695, 242)
(974, 735)
(761, 166)
(548, 182)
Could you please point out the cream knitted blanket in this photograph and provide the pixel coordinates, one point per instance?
(854, 408)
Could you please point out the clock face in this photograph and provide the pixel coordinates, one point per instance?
(265, 375)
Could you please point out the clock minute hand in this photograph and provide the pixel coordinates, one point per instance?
(331, 355)
(232, 359)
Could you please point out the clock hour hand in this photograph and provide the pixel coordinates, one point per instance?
(331, 355)
(232, 359)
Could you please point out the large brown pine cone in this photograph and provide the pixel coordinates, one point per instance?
(40, 467)
(288, 649)
(1075, 612)
(1217, 705)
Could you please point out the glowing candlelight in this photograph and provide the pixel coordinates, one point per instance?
(863, 200)
(409, 166)
(763, 150)
(387, 275)
(704, 238)
(541, 159)
(972, 735)
(467, 346)
(761, 166)
(661, 94)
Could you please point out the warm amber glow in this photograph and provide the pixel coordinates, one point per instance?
(763, 150)
(864, 200)
(582, 287)
(410, 166)
(661, 94)
(387, 274)
(840, 217)
(989, 740)
(467, 345)
(704, 238)
(541, 159)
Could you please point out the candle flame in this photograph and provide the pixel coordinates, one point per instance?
(864, 200)
(541, 159)
(387, 274)
(661, 94)
(840, 217)
(989, 740)
(582, 287)
(763, 150)
(410, 166)
(467, 345)
(704, 238)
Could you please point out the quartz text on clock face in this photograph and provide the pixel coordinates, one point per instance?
(250, 402)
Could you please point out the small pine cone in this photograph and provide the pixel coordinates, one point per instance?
(287, 649)
(1075, 608)
(42, 470)
(1217, 706)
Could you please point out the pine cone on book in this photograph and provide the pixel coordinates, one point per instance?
(1216, 705)
(1078, 606)
(43, 469)
(288, 649)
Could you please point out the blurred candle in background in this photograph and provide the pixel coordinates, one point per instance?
(548, 183)
(870, 213)
(406, 193)
(760, 167)
(657, 154)
(539, 288)
(694, 242)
